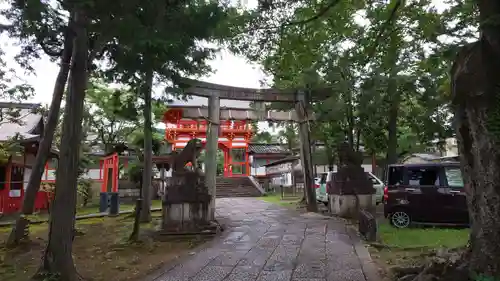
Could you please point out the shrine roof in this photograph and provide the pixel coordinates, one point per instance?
(282, 161)
(19, 118)
(267, 148)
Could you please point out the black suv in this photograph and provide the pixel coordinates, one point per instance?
(425, 194)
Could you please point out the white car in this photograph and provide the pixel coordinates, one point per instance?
(320, 185)
(322, 196)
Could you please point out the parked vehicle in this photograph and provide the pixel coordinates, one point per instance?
(425, 194)
(320, 184)
(322, 196)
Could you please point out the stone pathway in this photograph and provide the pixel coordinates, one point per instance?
(266, 242)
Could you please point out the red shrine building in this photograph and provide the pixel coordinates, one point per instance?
(241, 158)
(234, 137)
(23, 120)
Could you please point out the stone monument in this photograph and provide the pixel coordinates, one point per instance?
(186, 201)
(350, 189)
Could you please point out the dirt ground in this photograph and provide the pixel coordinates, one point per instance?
(101, 252)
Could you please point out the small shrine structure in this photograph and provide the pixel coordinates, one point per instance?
(26, 128)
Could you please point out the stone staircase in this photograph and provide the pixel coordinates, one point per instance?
(236, 187)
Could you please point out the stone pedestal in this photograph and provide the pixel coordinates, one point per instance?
(186, 205)
(185, 217)
(345, 205)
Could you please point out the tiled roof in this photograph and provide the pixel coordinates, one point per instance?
(284, 160)
(27, 120)
(263, 148)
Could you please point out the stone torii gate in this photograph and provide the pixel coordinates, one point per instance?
(213, 114)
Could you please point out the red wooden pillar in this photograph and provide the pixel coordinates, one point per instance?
(105, 174)
(116, 160)
(101, 164)
(229, 158)
(8, 177)
(226, 161)
(247, 161)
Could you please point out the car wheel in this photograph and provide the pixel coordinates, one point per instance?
(400, 219)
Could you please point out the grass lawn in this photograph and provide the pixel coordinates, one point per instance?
(431, 237)
(288, 201)
(101, 253)
(412, 245)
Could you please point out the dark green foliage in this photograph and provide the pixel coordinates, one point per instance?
(134, 171)
(158, 43)
(371, 55)
(137, 141)
(262, 137)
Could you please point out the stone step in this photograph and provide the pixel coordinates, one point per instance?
(236, 187)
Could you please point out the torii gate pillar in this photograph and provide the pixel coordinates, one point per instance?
(211, 150)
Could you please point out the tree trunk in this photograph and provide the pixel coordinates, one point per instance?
(134, 236)
(350, 120)
(331, 164)
(392, 134)
(358, 139)
(20, 229)
(58, 259)
(148, 150)
(392, 126)
(475, 90)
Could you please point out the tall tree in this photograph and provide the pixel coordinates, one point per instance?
(262, 137)
(145, 215)
(112, 114)
(58, 258)
(145, 57)
(474, 86)
(288, 136)
(27, 25)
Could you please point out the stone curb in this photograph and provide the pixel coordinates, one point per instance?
(81, 217)
(367, 265)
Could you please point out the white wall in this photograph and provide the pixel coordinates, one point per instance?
(324, 168)
(259, 171)
(283, 179)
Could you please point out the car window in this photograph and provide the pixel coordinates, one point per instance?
(454, 176)
(395, 176)
(423, 176)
